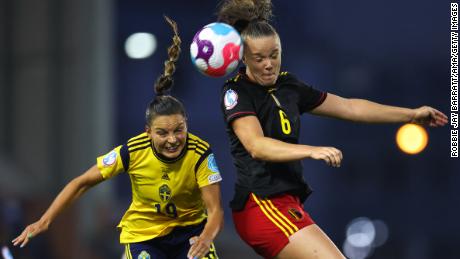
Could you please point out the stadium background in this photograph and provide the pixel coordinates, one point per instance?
(68, 93)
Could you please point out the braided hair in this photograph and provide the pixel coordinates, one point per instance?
(163, 103)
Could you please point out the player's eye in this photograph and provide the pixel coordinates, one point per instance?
(161, 133)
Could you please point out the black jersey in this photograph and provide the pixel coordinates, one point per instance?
(278, 109)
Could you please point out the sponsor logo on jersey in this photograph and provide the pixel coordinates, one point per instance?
(165, 172)
(212, 165)
(214, 178)
(230, 99)
(165, 193)
(110, 158)
(144, 255)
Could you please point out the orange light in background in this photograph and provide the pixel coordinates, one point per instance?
(411, 138)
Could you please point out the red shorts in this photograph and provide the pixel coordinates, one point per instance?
(267, 224)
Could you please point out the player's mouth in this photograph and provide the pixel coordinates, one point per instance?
(268, 76)
(172, 149)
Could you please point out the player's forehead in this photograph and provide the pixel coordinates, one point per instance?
(263, 45)
(168, 122)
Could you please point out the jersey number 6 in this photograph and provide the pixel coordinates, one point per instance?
(285, 124)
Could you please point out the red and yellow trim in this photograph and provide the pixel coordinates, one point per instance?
(275, 216)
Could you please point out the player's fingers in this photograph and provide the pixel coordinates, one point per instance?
(194, 242)
(324, 156)
(20, 238)
(440, 118)
(196, 251)
(332, 158)
(24, 243)
(337, 156)
(29, 236)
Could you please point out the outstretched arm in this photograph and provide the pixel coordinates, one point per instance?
(250, 134)
(212, 199)
(360, 110)
(71, 192)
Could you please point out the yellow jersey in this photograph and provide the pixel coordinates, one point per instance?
(165, 192)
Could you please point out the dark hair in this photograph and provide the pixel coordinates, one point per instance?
(164, 104)
(250, 17)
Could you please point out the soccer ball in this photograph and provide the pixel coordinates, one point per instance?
(216, 49)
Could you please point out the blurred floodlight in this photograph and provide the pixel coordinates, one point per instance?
(411, 138)
(381, 232)
(354, 252)
(363, 236)
(140, 45)
(6, 254)
(361, 232)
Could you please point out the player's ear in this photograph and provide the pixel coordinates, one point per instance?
(147, 130)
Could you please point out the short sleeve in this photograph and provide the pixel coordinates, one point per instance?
(207, 171)
(309, 97)
(235, 103)
(114, 162)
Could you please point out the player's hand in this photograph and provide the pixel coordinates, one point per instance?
(331, 155)
(199, 247)
(30, 232)
(429, 116)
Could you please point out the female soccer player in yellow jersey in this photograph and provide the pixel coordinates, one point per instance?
(174, 178)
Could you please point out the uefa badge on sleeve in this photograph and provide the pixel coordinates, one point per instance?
(110, 158)
(212, 165)
(230, 99)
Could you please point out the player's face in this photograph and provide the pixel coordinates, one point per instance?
(262, 57)
(169, 134)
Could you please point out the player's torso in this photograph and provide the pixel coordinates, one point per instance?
(277, 110)
(169, 187)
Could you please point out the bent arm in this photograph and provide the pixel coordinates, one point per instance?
(360, 110)
(250, 133)
(212, 199)
(71, 192)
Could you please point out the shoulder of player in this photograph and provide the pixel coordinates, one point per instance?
(286, 76)
(197, 145)
(139, 142)
(234, 80)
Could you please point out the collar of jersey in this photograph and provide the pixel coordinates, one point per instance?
(166, 159)
(244, 76)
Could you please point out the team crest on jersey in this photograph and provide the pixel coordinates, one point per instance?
(143, 255)
(110, 158)
(295, 214)
(165, 193)
(230, 99)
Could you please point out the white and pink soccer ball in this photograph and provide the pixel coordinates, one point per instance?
(216, 49)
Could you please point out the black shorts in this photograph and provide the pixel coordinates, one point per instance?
(174, 245)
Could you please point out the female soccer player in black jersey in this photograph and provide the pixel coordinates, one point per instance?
(174, 179)
(262, 108)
